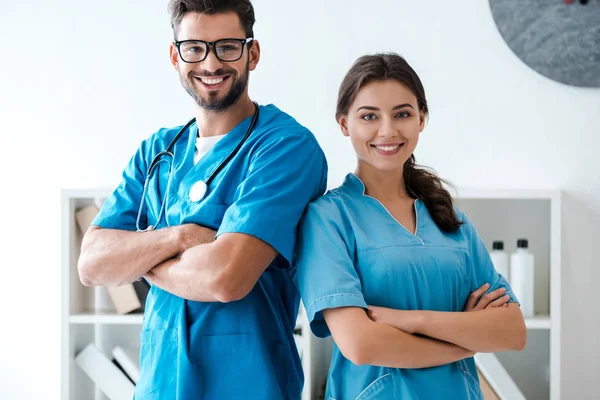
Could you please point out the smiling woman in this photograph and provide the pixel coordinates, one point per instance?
(396, 259)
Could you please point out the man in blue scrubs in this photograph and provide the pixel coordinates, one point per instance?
(222, 308)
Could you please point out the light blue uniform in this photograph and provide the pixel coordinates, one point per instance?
(243, 349)
(352, 252)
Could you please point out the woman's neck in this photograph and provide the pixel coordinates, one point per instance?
(383, 185)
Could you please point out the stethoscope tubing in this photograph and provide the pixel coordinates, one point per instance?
(168, 152)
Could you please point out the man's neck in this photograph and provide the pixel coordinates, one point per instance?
(212, 123)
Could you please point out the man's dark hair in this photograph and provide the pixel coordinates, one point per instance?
(243, 8)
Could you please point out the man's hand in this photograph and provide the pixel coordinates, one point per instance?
(480, 301)
(192, 235)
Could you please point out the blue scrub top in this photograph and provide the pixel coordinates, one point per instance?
(352, 252)
(242, 349)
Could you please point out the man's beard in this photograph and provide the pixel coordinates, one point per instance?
(213, 103)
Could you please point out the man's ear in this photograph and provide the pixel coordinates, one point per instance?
(174, 56)
(254, 52)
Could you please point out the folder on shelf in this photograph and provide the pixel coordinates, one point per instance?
(489, 367)
(107, 376)
(129, 359)
(125, 298)
(486, 389)
(141, 289)
(85, 216)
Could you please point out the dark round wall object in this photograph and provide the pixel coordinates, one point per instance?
(558, 40)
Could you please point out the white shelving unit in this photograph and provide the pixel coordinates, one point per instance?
(508, 215)
(316, 354)
(497, 214)
(88, 315)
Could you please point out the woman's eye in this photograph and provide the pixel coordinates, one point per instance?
(368, 117)
(402, 114)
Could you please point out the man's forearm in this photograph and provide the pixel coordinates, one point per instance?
(183, 280)
(223, 270)
(114, 257)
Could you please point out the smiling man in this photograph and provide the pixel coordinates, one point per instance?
(207, 213)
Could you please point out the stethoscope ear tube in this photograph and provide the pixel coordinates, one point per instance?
(237, 148)
(176, 138)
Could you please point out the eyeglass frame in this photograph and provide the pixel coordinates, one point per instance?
(210, 45)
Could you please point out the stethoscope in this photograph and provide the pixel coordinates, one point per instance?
(198, 189)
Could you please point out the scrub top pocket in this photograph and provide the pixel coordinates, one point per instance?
(374, 275)
(209, 215)
(472, 384)
(426, 277)
(381, 389)
(159, 350)
(234, 367)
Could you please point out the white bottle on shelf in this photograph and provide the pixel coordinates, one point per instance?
(500, 259)
(522, 277)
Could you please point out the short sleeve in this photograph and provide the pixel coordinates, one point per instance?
(284, 175)
(482, 268)
(120, 209)
(325, 272)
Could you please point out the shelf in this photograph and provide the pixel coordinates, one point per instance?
(538, 322)
(128, 319)
(106, 318)
(513, 194)
(498, 378)
(91, 193)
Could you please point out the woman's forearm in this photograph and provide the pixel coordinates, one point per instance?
(363, 341)
(389, 347)
(490, 330)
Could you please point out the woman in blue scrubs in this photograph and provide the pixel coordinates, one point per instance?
(388, 266)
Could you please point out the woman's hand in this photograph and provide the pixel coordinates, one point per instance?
(409, 320)
(405, 320)
(478, 300)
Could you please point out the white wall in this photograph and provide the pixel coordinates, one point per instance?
(82, 83)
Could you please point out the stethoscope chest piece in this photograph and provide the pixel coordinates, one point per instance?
(197, 191)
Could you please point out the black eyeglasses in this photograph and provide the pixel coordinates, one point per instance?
(195, 51)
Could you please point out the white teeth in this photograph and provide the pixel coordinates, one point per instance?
(388, 148)
(211, 81)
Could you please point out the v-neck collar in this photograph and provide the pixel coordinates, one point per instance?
(223, 147)
(358, 187)
(191, 173)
